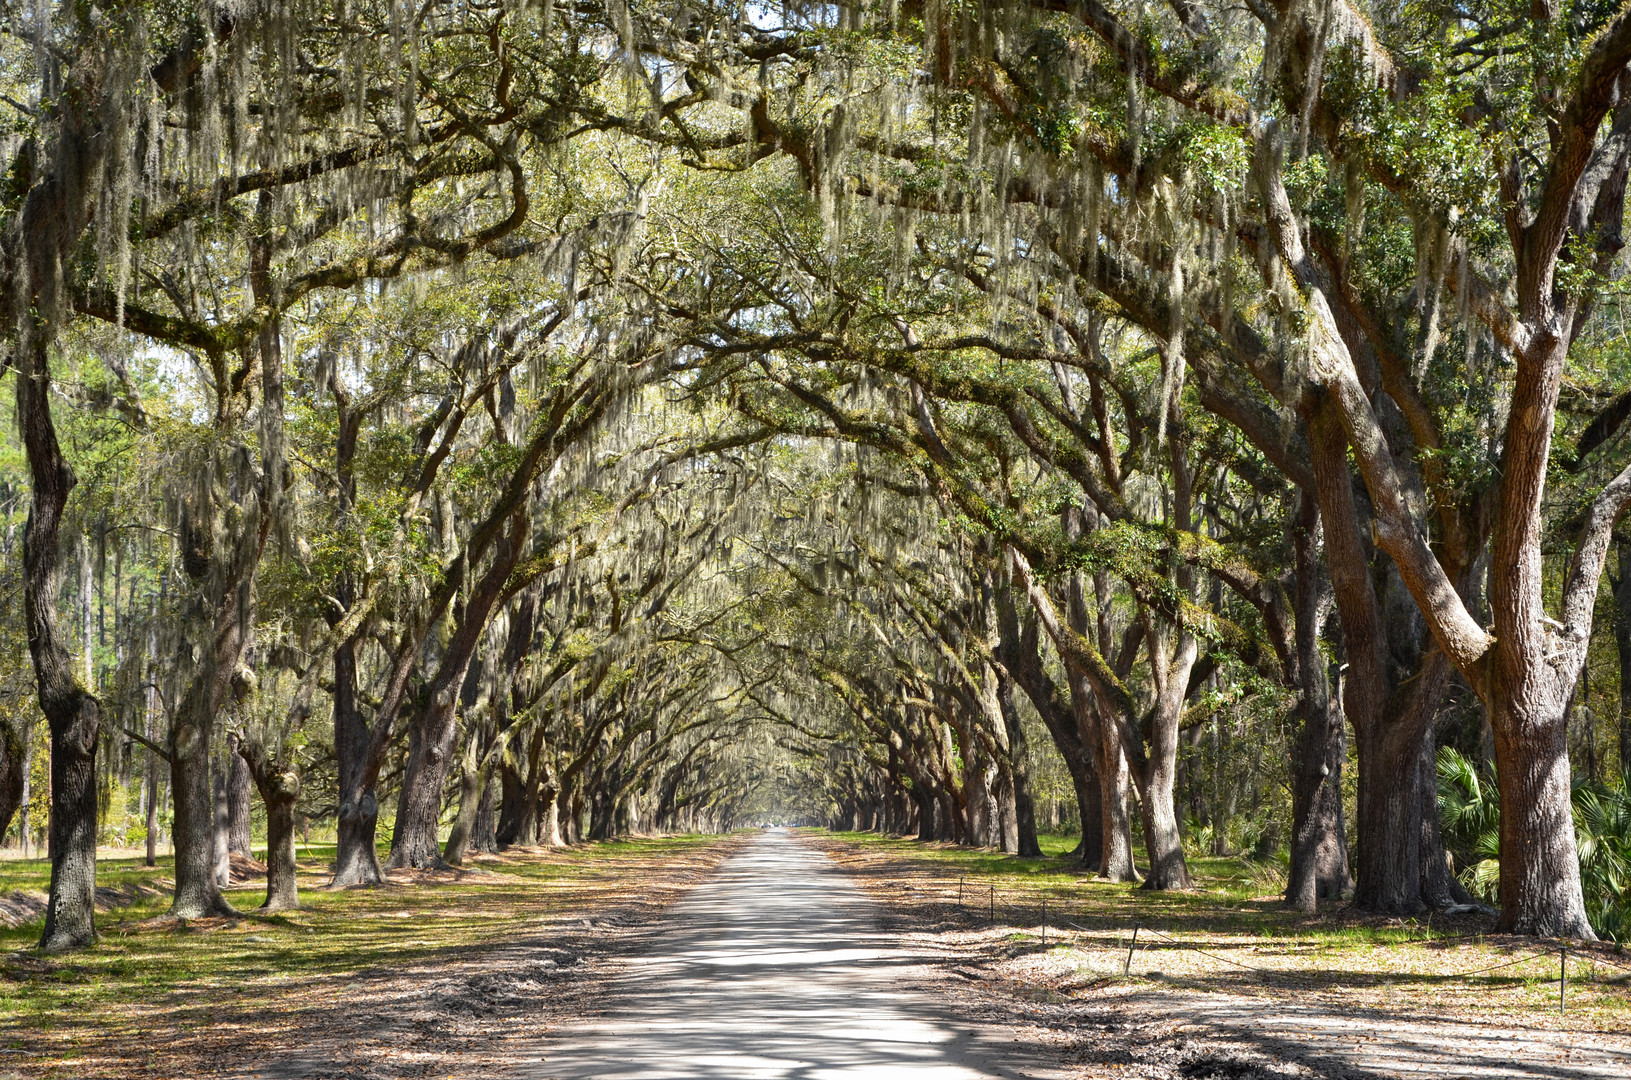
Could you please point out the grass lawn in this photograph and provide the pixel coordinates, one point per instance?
(153, 982)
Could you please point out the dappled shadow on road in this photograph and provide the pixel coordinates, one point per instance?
(775, 968)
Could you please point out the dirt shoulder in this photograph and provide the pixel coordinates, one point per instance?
(433, 975)
(1288, 1000)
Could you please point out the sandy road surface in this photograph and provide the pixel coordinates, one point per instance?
(775, 968)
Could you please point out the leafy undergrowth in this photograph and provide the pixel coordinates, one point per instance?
(159, 998)
(1227, 936)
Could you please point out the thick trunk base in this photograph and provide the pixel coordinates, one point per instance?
(356, 859)
(419, 807)
(1540, 867)
(70, 914)
(282, 890)
(198, 892)
(1390, 812)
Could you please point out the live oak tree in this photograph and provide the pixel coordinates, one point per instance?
(612, 414)
(1341, 194)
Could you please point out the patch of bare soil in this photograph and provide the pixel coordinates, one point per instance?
(1183, 1015)
(22, 906)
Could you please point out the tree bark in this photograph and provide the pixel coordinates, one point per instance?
(1162, 841)
(511, 802)
(1439, 888)
(1528, 696)
(1622, 638)
(356, 855)
(1089, 816)
(198, 881)
(25, 827)
(1019, 656)
(73, 714)
(1389, 722)
(198, 889)
(925, 813)
(1115, 783)
(485, 836)
(414, 841)
(282, 888)
(279, 786)
(470, 792)
(1540, 867)
(1116, 827)
(1026, 844)
(549, 816)
(239, 787)
(356, 858)
(150, 724)
(221, 833)
(14, 765)
(1319, 853)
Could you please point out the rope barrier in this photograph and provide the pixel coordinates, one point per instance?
(1180, 943)
(1596, 959)
(1498, 967)
(1215, 956)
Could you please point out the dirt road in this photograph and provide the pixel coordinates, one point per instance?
(776, 968)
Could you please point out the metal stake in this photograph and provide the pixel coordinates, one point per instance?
(1128, 966)
(1044, 922)
(993, 904)
(1562, 977)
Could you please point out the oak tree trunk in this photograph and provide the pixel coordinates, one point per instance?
(414, 841)
(548, 817)
(1540, 866)
(1439, 888)
(239, 788)
(1622, 639)
(1162, 840)
(279, 785)
(220, 835)
(14, 765)
(198, 889)
(485, 836)
(1025, 840)
(356, 858)
(1528, 687)
(1319, 852)
(282, 889)
(1391, 802)
(464, 825)
(73, 714)
(419, 807)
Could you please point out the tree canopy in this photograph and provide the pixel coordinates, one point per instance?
(530, 422)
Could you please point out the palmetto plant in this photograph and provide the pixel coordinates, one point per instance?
(1602, 826)
(1470, 816)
